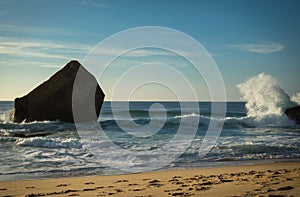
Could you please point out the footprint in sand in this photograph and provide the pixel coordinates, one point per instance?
(118, 190)
(270, 190)
(277, 172)
(89, 189)
(202, 188)
(176, 177)
(137, 189)
(185, 185)
(181, 194)
(155, 183)
(62, 185)
(120, 181)
(174, 180)
(226, 180)
(144, 196)
(89, 183)
(92, 189)
(285, 188)
(252, 172)
(132, 184)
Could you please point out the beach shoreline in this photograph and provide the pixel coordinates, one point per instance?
(270, 178)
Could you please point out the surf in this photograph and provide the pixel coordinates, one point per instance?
(266, 101)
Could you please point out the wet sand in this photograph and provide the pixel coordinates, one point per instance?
(268, 179)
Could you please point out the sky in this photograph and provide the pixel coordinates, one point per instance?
(244, 38)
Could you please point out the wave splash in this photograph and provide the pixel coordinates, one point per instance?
(7, 117)
(265, 100)
(296, 98)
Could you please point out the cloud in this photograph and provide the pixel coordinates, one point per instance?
(48, 51)
(265, 48)
(42, 49)
(52, 63)
(143, 52)
(139, 52)
(93, 3)
(32, 30)
(49, 66)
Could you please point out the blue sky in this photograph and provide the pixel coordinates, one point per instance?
(245, 38)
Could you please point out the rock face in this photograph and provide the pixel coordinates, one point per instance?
(52, 99)
(293, 114)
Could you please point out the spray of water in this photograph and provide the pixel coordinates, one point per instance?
(7, 116)
(296, 98)
(266, 100)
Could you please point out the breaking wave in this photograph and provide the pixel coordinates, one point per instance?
(266, 101)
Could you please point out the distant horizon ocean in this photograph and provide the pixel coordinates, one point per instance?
(243, 140)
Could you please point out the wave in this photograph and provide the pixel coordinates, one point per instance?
(266, 101)
(7, 116)
(187, 120)
(296, 98)
(34, 129)
(49, 143)
(231, 122)
(187, 115)
(142, 113)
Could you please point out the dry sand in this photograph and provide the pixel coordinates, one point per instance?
(269, 179)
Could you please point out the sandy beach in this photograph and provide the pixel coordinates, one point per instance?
(268, 179)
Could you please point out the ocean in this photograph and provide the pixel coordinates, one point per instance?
(27, 154)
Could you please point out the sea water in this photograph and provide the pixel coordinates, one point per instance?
(248, 136)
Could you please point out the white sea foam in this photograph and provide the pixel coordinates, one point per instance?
(6, 116)
(188, 115)
(266, 100)
(296, 98)
(8, 132)
(49, 143)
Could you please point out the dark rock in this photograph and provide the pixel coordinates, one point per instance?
(293, 114)
(52, 99)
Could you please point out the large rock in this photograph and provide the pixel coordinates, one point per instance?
(293, 114)
(52, 99)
